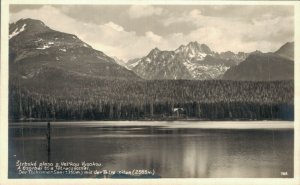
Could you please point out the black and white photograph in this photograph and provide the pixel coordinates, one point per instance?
(151, 91)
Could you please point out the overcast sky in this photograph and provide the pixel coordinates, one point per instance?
(132, 31)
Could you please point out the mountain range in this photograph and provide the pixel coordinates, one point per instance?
(192, 61)
(39, 52)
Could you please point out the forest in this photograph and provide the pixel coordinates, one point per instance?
(100, 99)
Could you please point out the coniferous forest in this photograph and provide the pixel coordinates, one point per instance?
(101, 99)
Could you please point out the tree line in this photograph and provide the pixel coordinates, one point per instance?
(152, 100)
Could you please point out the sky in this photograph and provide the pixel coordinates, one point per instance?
(131, 31)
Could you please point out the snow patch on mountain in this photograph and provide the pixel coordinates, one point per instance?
(39, 40)
(44, 47)
(204, 71)
(17, 31)
(134, 64)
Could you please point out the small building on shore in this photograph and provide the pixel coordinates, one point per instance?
(178, 111)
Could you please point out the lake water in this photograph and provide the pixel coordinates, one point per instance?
(170, 149)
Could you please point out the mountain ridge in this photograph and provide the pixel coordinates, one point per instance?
(35, 47)
(263, 67)
(198, 61)
(287, 50)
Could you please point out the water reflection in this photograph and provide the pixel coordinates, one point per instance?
(171, 152)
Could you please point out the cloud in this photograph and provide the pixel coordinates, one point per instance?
(114, 26)
(195, 13)
(152, 36)
(138, 11)
(234, 34)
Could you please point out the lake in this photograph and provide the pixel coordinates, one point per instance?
(180, 149)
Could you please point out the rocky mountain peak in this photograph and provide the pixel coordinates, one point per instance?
(28, 26)
(193, 50)
(155, 51)
(199, 47)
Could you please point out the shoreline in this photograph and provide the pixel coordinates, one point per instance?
(169, 124)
